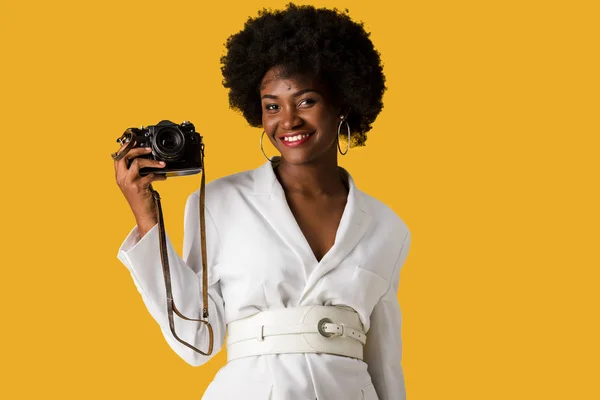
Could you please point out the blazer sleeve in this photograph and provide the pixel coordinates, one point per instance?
(383, 350)
(142, 258)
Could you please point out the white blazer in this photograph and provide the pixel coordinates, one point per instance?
(258, 259)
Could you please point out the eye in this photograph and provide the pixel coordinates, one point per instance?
(307, 102)
(271, 107)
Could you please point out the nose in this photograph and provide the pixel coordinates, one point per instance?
(290, 118)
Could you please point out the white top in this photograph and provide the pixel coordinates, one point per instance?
(258, 259)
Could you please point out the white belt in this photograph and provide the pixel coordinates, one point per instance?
(312, 329)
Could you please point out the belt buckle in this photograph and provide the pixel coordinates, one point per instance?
(321, 326)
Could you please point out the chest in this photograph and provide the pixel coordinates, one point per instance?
(265, 260)
(318, 219)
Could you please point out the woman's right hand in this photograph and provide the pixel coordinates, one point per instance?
(136, 188)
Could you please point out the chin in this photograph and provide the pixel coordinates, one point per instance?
(302, 158)
(296, 159)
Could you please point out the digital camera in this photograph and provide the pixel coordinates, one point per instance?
(179, 146)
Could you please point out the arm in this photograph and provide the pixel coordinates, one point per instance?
(383, 350)
(142, 257)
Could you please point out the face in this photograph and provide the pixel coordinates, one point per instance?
(299, 117)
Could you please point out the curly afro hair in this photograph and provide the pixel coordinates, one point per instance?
(303, 39)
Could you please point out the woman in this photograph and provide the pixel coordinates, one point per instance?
(293, 241)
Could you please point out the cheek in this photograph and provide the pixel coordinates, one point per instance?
(263, 119)
(328, 119)
(269, 128)
(329, 124)
(266, 122)
(269, 125)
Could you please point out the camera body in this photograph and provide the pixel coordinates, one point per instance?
(179, 146)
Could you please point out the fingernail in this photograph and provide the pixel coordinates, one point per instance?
(148, 148)
(161, 162)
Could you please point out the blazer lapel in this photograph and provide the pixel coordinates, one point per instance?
(269, 199)
(354, 224)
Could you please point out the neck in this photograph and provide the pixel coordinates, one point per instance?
(318, 178)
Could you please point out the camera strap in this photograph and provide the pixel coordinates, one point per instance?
(171, 308)
(124, 139)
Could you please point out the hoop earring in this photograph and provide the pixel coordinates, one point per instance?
(338, 136)
(261, 147)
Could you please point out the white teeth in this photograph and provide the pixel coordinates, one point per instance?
(295, 138)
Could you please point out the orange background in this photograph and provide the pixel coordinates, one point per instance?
(487, 147)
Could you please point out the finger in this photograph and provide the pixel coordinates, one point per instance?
(136, 152)
(138, 163)
(151, 177)
(121, 166)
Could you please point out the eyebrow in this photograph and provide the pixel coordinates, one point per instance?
(299, 93)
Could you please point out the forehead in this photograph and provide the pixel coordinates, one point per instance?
(278, 79)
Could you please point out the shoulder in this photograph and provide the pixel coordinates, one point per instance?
(224, 189)
(390, 232)
(384, 217)
(384, 220)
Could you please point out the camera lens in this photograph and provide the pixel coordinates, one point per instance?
(169, 143)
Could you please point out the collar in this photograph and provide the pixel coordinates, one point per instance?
(266, 183)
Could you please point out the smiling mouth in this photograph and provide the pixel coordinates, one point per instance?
(291, 139)
(296, 139)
